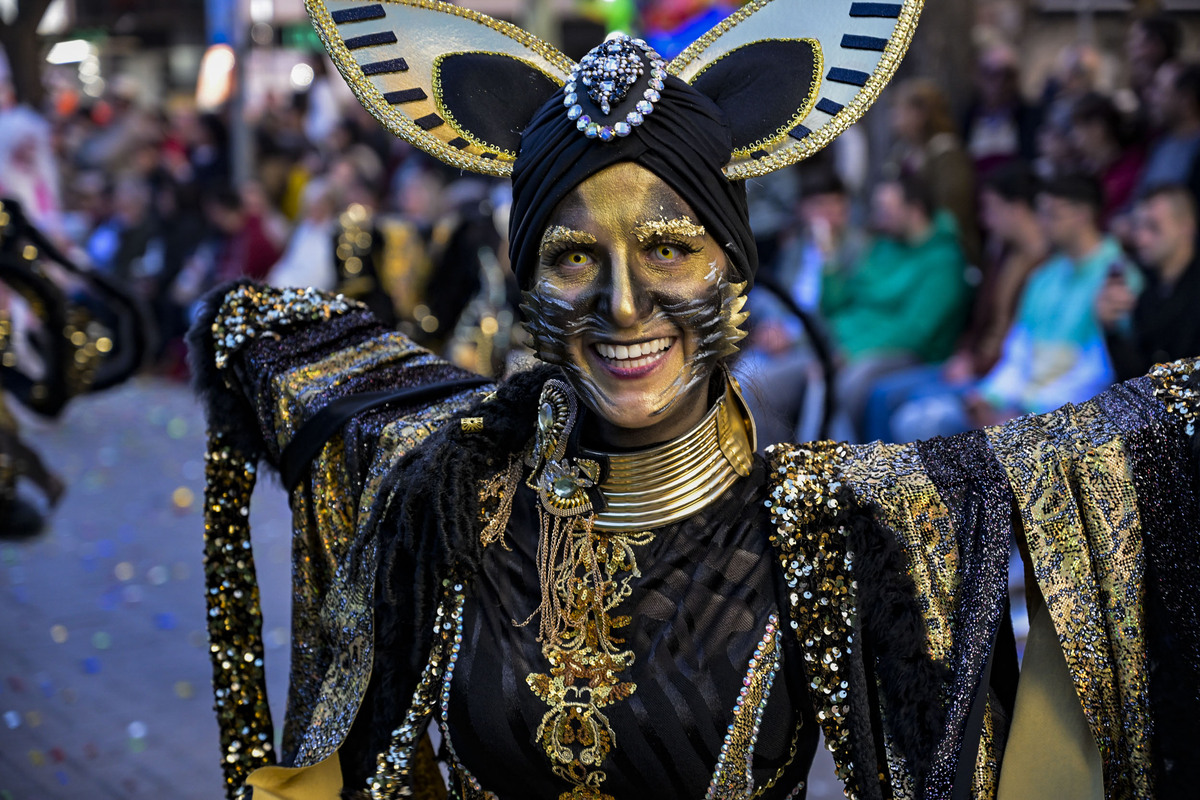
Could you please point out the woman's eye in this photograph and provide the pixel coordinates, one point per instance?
(576, 258)
(667, 252)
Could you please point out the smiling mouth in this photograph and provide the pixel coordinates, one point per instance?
(634, 356)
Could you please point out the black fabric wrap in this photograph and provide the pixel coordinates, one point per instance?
(685, 142)
(431, 532)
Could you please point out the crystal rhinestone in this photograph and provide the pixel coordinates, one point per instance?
(651, 95)
(564, 487)
(634, 118)
(569, 99)
(570, 87)
(622, 129)
(574, 111)
(644, 106)
(545, 418)
(583, 122)
(592, 130)
(606, 134)
(656, 84)
(607, 86)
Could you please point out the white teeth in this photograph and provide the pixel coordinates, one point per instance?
(636, 353)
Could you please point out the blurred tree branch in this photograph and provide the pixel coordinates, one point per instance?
(23, 47)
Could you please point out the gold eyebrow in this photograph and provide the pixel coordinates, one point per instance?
(558, 234)
(680, 226)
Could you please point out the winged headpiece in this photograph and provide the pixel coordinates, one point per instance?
(790, 75)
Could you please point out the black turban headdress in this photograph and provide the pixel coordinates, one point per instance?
(685, 141)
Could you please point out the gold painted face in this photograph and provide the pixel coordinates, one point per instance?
(632, 297)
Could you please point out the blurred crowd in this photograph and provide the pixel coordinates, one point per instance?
(1019, 256)
(1016, 259)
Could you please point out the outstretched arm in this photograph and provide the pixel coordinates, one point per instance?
(309, 383)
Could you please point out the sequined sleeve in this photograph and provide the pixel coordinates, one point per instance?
(267, 361)
(1104, 496)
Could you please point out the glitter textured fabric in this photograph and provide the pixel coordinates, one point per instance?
(1071, 477)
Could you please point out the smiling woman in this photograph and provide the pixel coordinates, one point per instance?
(702, 611)
(632, 298)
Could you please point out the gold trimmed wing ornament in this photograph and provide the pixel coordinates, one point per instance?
(790, 75)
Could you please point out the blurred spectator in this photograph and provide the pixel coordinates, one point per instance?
(245, 249)
(1054, 353)
(28, 173)
(929, 149)
(1016, 246)
(776, 357)
(1076, 73)
(1152, 42)
(999, 126)
(1097, 135)
(906, 301)
(1165, 323)
(309, 257)
(1175, 107)
(770, 199)
(118, 244)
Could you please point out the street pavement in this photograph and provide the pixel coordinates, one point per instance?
(104, 672)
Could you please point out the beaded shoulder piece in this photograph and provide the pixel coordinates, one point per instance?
(804, 484)
(249, 312)
(1177, 386)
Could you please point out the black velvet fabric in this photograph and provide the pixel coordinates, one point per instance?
(492, 95)
(685, 142)
(760, 86)
(698, 610)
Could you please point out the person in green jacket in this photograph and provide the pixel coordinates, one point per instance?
(906, 301)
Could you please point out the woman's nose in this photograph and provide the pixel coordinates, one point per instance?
(622, 300)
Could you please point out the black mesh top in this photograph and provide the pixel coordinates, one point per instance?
(702, 593)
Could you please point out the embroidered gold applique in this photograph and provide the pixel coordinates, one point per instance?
(587, 662)
(584, 576)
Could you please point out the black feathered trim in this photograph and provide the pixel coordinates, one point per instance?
(226, 410)
(430, 533)
(911, 681)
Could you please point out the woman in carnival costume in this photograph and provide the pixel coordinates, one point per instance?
(583, 577)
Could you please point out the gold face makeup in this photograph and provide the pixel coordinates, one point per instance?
(632, 297)
(681, 227)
